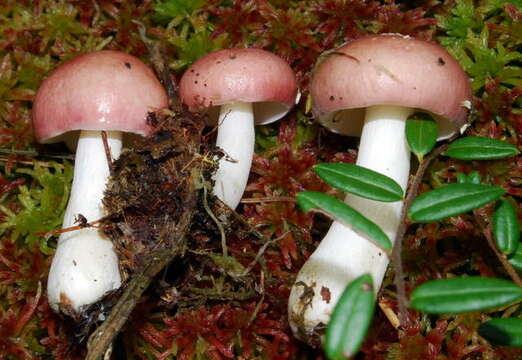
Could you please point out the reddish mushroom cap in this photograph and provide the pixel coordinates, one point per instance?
(247, 75)
(101, 90)
(389, 70)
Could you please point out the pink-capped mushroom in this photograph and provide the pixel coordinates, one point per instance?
(99, 91)
(249, 86)
(369, 87)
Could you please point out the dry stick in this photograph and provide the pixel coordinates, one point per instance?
(34, 153)
(486, 230)
(103, 336)
(32, 162)
(107, 152)
(216, 221)
(156, 261)
(261, 251)
(401, 231)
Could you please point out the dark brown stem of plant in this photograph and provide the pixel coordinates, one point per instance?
(486, 230)
(104, 335)
(108, 153)
(157, 260)
(401, 231)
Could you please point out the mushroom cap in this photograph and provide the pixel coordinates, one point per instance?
(241, 75)
(389, 69)
(100, 90)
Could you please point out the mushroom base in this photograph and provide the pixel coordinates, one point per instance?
(85, 265)
(344, 255)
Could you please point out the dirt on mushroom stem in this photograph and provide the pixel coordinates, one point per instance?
(147, 196)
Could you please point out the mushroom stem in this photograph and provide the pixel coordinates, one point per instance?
(236, 137)
(343, 255)
(85, 265)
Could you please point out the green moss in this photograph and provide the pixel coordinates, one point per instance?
(191, 46)
(170, 9)
(42, 203)
(467, 37)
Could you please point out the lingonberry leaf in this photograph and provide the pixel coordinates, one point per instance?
(350, 319)
(480, 148)
(516, 258)
(451, 200)
(421, 132)
(464, 294)
(506, 229)
(360, 181)
(506, 331)
(339, 211)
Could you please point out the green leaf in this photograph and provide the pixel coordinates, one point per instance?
(360, 181)
(350, 319)
(451, 200)
(421, 132)
(311, 200)
(516, 258)
(506, 331)
(464, 294)
(480, 148)
(472, 178)
(506, 228)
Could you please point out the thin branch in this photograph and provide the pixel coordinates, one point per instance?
(216, 221)
(46, 164)
(108, 153)
(486, 230)
(401, 231)
(81, 225)
(261, 251)
(156, 261)
(102, 338)
(34, 153)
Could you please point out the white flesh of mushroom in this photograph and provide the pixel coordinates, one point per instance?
(343, 255)
(85, 265)
(236, 136)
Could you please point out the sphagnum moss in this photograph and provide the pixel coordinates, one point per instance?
(218, 321)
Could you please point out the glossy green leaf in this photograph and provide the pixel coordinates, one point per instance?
(480, 148)
(451, 200)
(350, 319)
(464, 294)
(421, 132)
(506, 228)
(472, 178)
(506, 331)
(360, 181)
(516, 258)
(311, 200)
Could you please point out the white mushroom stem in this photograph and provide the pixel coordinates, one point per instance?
(343, 255)
(85, 265)
(236, 136)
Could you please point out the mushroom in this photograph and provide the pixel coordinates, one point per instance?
(370, 86)
(98, 91)
(246, 84)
